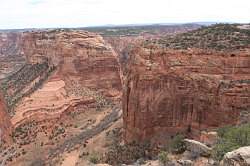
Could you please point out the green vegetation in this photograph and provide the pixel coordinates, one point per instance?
(177, 144)
(57, 130)
(163, 157)
(218, 37)
(121, 31)
(128, 153)
(94, 158)
(22, 135)
(101, 100)
(138, 30)
(231, 138)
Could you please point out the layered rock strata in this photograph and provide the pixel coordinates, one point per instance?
(70, 67)
(169, 91)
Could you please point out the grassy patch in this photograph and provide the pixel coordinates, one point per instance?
(231, 138)
(94, 158)
(177, 144)
(163, 157)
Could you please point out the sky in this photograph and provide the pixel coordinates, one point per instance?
(16, 14)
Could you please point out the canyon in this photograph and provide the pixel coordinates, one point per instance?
(64, 91)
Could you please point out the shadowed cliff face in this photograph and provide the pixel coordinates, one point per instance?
(11, 57)
(183, 91)
(10, 44)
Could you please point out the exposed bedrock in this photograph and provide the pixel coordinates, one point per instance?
(79, 54)
(170, 91)
(79, 67)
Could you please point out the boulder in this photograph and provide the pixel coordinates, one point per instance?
(185, 162)
(197, 148)
(209, 138)
(238, 157)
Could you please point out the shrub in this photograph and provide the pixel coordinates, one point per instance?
(94, 158)
(163, 157)
(126, 154)
(231, 138)
(177, 144)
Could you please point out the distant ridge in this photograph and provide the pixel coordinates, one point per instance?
(112, 26)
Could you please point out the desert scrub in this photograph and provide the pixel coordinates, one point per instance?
(231, 138)
(218, 37)
(94, 158)
(163, 157)
(126, 154)
(177, 144)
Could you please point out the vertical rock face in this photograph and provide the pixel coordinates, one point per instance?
(5, 125)
(78, 54)
(169, 92)
(10, 44)
(11, 57)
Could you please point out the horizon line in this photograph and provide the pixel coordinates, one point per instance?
(132, 24)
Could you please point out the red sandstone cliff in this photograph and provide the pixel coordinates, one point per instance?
(79, 54)
(85, 70)
(170, 91)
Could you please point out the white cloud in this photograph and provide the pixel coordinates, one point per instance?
(75, 13)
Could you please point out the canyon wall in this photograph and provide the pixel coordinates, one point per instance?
(11, 57)
(10, 44)
(170, 91)
(62, 69)
(77, 54)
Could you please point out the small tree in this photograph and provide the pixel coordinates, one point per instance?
(231, 138)
(163, 157)
(177, 144)
(93, 158)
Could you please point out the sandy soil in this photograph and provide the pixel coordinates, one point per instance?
(71, 158)
(51, 99)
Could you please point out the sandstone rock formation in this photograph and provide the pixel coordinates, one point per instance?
(77, 54)
(63, 68)
(209, 138)
(169, 89)
(239, 157)
(197, 148)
